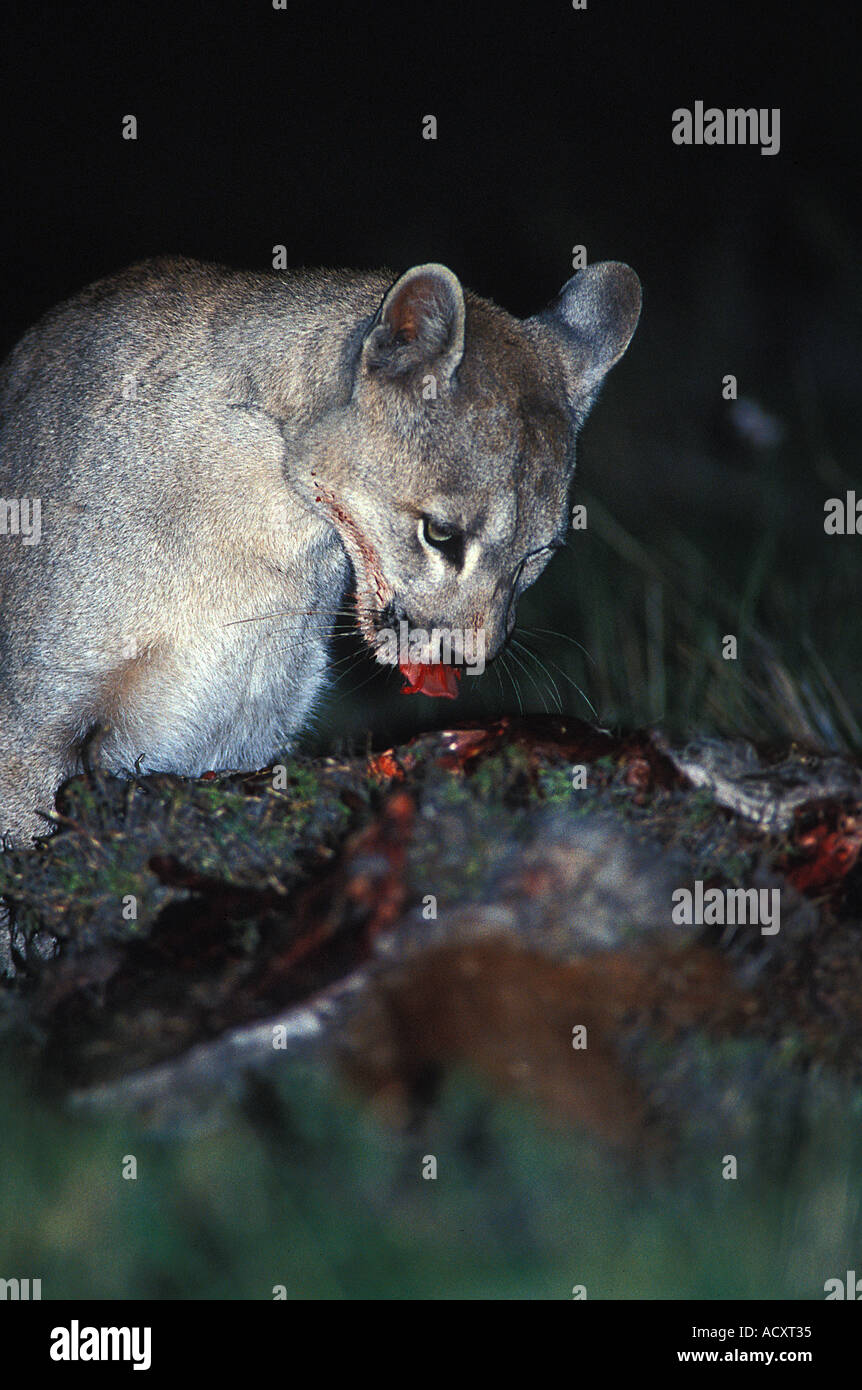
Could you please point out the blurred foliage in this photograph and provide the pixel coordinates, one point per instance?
(302, 1189)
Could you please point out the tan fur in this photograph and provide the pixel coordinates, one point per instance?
(219, 453)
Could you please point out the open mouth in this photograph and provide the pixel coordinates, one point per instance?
(436, 680)
(392, 646)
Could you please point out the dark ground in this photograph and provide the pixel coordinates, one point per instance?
(383, 960)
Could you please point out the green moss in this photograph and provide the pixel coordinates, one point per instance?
(119, 840)
(700, 808)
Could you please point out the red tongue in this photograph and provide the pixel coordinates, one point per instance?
(438, 681)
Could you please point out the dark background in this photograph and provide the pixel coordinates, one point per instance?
(303, 127)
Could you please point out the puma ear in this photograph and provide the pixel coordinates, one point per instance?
(595, 315)
(420, 323)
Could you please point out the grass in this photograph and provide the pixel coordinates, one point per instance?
(654, 626)
(302, 1190)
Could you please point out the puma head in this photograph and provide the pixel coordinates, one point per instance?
(448, 475)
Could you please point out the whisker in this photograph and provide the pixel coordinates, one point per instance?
(496, 671)
(293, 613)
(335, 631)
(362, 684)
(532, 631)
(352, 657)
(299, 625)
(554, 695)
(355, 660)
(503, 657)
(525, 668)
(546, 672)
(566, 677)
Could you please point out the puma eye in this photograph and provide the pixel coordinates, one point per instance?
(446, 539)
(436, 535)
